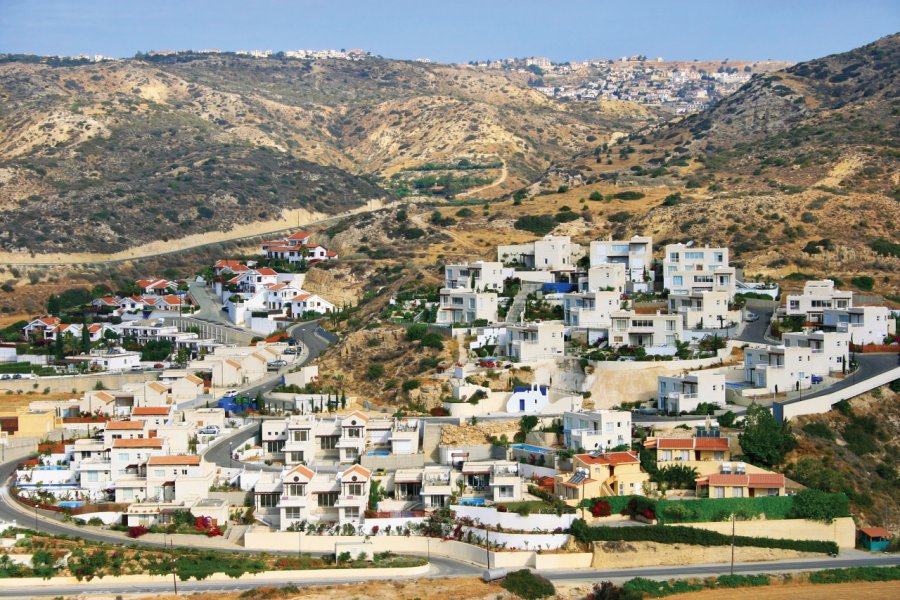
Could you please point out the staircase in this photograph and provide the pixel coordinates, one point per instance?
(430, 442)
(517, 308)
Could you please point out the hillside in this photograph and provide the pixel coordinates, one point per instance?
(853, 449)
(797, 172)
(102, 157)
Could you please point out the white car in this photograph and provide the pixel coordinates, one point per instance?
(209, 430)
(231, 393)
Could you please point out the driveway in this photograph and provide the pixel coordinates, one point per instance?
(755, 331)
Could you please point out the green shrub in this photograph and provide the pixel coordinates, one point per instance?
(525, 584)
(566, 216)
(374, 371)
(629, 195)
(619, 217)
(863, 282)
(416, 331)
(817, 505)
(432, 340)
(537, 224)
(595, 196)
(819, 430)
(855, 574)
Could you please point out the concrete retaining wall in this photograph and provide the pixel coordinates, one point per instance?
(79, 383)
(613, 382)
(521, 541)
(393, 462)
(785, 411)
(840, 531)
(300, 575)
(572, 560)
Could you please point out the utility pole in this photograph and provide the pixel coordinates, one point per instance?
(487, 545)
(174, 578)
(732, 543)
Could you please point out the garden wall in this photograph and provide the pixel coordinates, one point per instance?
(509, 520)
(785, 411)
(841, 531)
(76, 384)
(521, 541)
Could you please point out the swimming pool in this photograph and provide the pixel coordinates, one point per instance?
(472, 501)
(379, 453)
(51, 468)
(70, 504)
(531, 448)
(736, 385)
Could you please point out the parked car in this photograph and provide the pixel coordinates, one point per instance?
(159, 366)
(209, 430)
(137, 368)
(231, 393)
(290, 351)
(749, 317)
(277, 364)
(817, 379)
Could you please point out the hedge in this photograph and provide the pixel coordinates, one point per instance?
(721, 509)
(671, 534)
(856, 574)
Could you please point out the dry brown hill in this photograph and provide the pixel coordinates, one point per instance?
(100, 157)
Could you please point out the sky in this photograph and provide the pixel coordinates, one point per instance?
(453, 30)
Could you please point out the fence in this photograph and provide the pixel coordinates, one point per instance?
(871, 348)
(785, 411)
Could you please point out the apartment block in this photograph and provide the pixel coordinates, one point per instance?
(691, 270)
(636, 256)
(683, 393)
(779, 369)
(600, 430)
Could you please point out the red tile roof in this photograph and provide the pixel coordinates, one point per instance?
(147, 443)
(300, 470)
(876, 532)
(690, 443)
(124, 425)
(767, 480)
(611, 458)
(150, 411)
(177, 459)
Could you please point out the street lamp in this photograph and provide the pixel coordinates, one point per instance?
(230, 455)
(584, 473)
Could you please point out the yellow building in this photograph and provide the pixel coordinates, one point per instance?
(31, 423)
(594, 476)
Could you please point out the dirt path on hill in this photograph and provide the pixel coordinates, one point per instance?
(504, 172)
(290, 219)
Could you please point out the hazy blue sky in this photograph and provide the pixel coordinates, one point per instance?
(453, 30)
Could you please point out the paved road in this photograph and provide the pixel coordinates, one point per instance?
(687, 571)
(755, 331)
(870, 365)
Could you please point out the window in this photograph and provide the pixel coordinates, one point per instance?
(159, 473)
(667, 455)
(351, 512)
(295, 457)
(328, 442)
(128, 494)
(122, 456)
(670, 325)
(296, 489)
(267, 500)
(677, 280)
(719, 257)
(93, 476)
(355, 489)
(674, 257)
(354, 432)
(737, 492)
(293, 512)
(718, 492)
(328, 499)
(693, 255)
(670, 340)
(301, 435)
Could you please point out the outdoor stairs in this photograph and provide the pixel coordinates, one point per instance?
(235, 533)
(517, 309)
(430, 442)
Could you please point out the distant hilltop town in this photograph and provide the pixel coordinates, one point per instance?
(680, 86)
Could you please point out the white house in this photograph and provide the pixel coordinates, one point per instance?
(683, 393)
(597, 429)
(590, 309)
(604, 277)
(528, 399)
(817, 297)
(550, 253)
(466, 306)
(703, 310)
(478, 276)
(830, 350)
(779, 369)
(865, 324)
(535, 341)
(657, 333)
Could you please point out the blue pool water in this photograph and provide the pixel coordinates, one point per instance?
(736, 385)
(379, 453)
(472, 501)
(531, 448)
(51, 468)
(70, 504)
